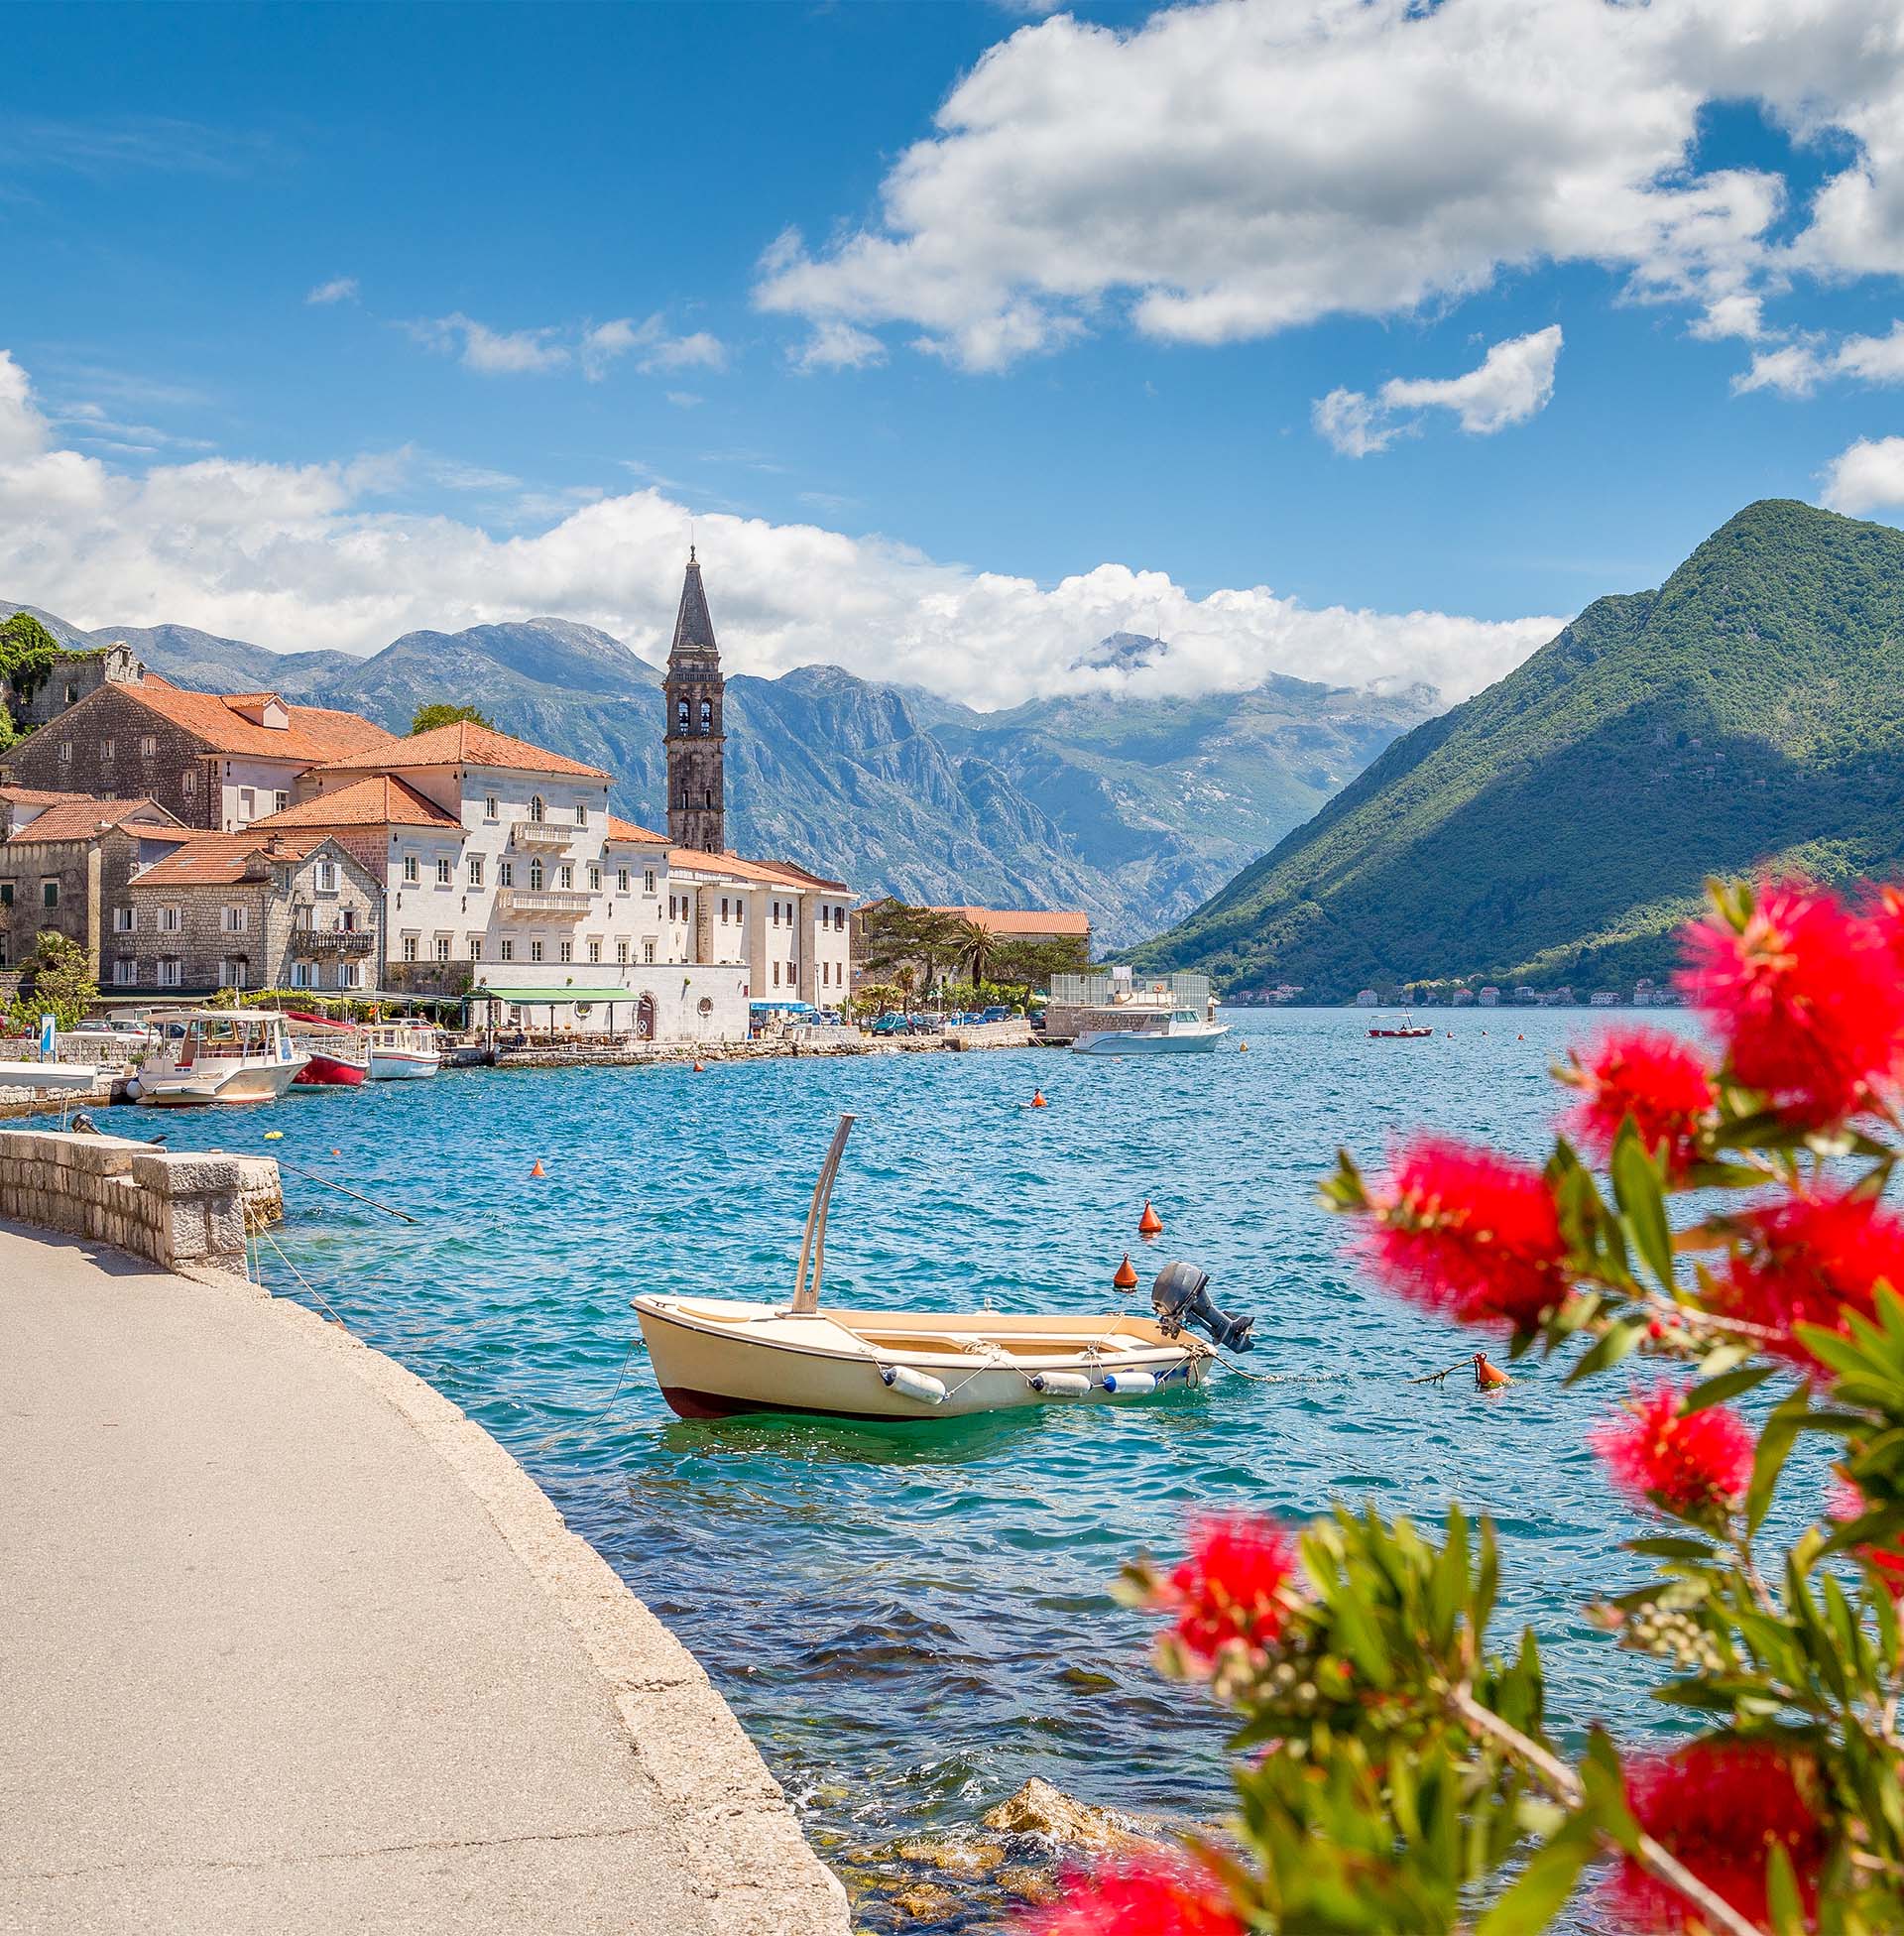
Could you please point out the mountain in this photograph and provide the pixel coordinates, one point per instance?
(1557, 828)
(1133, 809)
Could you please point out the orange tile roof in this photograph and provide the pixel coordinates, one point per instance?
(218, 860)
(314, 733)
(380, 800)
(462, 744)
(34, 796)
(70, 817)
(620, 829)
(781, 874)
(1021, 921)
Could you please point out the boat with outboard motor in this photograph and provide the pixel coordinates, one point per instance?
(217, 1056)
(715, 1357)
(337, 1053)
(403, 1051)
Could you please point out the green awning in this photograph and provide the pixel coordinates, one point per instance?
(524, 997)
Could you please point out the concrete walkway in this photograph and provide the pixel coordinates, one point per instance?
(287, 1644)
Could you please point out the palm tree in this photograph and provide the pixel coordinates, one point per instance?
(975, 944)
(905, 978)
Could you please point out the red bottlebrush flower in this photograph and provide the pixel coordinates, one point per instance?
(1656, 1079)
(1807, 1259)
(1847, 1503)
(1148, 1895)
(1720, 1806)
(1809, 999)
(1232, 1587)
(1468, 1233)
(1699, 1464)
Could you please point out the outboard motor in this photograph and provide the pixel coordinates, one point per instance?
(1180, 1296)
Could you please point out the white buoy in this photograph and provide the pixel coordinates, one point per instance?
(1063, 1384)
(916, 1385)
(1135, 1383)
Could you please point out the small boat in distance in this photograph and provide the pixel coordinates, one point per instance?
(1403, 1028)
(715, 1357)
(338, 1056)
(403, 1052)
(219, 1055)
(1168, 1032)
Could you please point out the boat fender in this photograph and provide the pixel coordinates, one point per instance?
(916, 1385)
(1062, 1385)
(133, 1089)
(1135, 1383)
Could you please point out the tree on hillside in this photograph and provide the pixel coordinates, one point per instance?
(1034, 963)
(442, 713)
(56, 979)
(28, 652)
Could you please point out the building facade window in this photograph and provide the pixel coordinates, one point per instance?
(50, 894)
(535, 951)
(125, 920)
(489, 806)
(565, 950)
(410, 947)
(231, 971)
(621, 952)
(621, 880)
(66, 753)
(350, 974)
(723, 910)
(442, 947)
(507, 948)
(648, 949)
(125, 972)
(172, 919)
(594, 879)
(594, 951)
(475, 947)
(411, 873)
(536, 809)
(475, 870)
(535, 876)
(169, 971)
(301, 975)
(6, 894)
(188, 783)
(647, 882)
(107, 750)
(506, 874)
(234, 920)
(565, 878)
(279, 800)
(148, 746)
(327, 877)
(444, 872)
(581, 813)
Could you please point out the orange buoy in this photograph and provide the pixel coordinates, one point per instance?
(1039, 1101)
(700, 1068)
(1488, 1378)
(536, 1168)
(1126, 1275)
(1520, 1039)
(1150, 1224)
(1243, 1048)
(337, 1153)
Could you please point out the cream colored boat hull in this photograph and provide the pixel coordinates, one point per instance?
(249, 1082)
(715, 1357)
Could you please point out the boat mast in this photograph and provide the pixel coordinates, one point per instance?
(806, 1296)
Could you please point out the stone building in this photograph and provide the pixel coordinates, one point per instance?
(67, 863)
(74, 673)
(694, 734)
(217, 761)
(289, 911)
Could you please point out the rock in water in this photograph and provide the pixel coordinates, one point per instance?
(1040, 1809)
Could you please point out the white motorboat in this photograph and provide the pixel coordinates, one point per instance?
(715, 1357)
(1162, 1032)
(219, 1055)
(403, 1052)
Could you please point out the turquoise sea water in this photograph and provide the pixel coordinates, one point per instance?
(909, 1624)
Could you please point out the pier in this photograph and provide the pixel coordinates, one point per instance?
(293, 1645)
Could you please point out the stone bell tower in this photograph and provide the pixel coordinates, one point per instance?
(696, 761)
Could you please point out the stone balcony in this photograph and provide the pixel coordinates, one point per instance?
(341, 941)
(541, 904)
(541, 836)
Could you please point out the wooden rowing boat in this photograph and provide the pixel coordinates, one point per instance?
(714, 1357)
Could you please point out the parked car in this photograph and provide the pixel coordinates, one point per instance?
(891, 1024)
(996, 1015)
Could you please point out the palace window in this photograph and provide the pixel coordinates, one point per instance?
(410, 947)
(505, 874)
(648, 950)
(475, 870)
(621, 880)
(411, 873)
(621, 952)
(647, 882)
(346, 920)
(535, 876)
(723, 910)
(581, 813)
(489, 806)
(777, 974)
(536, 809)
(475, 947)
(565, 950)
(445, 872)
(507, 948)
(566, 876)
(594, 879)
(442, 947)
(535, 951)
(594, 951)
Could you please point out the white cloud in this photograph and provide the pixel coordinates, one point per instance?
(1512, 381)
(836, 345)
(1232, 169)
(591, 348)
(1797, 368)
(1739, 314)
(340, 289)
(294, 557)
(1868, 476)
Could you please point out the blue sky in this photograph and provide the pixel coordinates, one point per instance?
(595, 270)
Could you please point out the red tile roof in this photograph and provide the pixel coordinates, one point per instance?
(783, 874)
(314, 733)
(210, 860)
(34, 796)
(75, 817)
(620, 829)
(1022, 920)
(462, 744)
(380, 800)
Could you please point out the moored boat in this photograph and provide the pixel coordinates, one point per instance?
(715, 1357)
(1169, 1032)
(337, 1054)
(219, 1055)
(403, 1052)
(1407, 1030)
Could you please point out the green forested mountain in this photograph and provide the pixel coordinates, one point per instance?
(1558, 826)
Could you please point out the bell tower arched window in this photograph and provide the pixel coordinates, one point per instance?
(707, 716)
(681, 715)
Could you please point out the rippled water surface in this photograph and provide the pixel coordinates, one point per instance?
(910, 1624)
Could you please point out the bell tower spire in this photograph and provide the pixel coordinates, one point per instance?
(693, 692)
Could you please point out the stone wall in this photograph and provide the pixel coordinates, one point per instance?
(177, 1210)
(111, 747)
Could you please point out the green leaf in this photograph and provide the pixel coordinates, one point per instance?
(1670, 1546)
(1727, 1385)
(1775, 1444)
(1781, 1894)
(1612, 1344)
(1642, 1204)
(1542, 1888)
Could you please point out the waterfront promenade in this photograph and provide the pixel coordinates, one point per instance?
(292, 1645)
